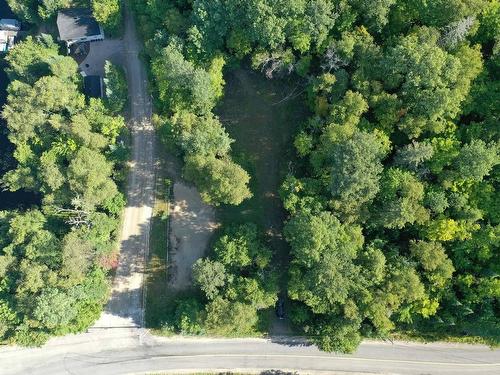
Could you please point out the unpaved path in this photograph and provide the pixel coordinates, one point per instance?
(125, 307)
(192, 223)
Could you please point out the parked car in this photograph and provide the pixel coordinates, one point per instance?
(10, 24)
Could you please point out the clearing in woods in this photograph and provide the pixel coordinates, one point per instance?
(262, 117)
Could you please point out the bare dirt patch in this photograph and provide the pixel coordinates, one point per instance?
(192, 224)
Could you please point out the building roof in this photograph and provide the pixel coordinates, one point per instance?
(10, 24)
(92, 86)
(77, 23)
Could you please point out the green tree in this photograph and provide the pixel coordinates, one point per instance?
(89, 177)
(399, 201)
(218, 180)
(337, 335)
(108, 13)
(198, 135)
(355, 172)
(241, 246)
(76, 253)
(432, 82)
(433, 259)
(48, 8)
(116, 87)
(188, 316)
(475, 160)
(413, 156)
(373, 13)
(224, 318)
(322, 273)
(30, 59)
(209, 276)
(26, 9)
(64, 67)
(54, 308)
(181, 85)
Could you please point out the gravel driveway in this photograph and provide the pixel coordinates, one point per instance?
(125, 307)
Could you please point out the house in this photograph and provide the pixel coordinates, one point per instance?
(93, 86)
(77, 26)
(7, 40)
(9, 29)
(10, 24)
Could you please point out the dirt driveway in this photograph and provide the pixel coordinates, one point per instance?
(192, 223)
(125, 307)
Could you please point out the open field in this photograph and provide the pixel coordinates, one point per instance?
(263, 125)
(263, 129)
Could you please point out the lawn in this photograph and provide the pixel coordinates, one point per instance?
(262, 117)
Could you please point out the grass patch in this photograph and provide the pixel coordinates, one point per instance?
(486, 333)
(263, 129)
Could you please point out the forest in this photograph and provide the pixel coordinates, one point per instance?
(55, 257)
(392, 202)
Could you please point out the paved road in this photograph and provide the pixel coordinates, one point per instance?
(124, 308)
(120, 354)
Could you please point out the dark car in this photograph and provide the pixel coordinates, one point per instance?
(280, 308)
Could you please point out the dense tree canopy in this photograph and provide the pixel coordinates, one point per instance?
(54, 258)
(393, 201)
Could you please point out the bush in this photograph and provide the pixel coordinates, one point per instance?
(109, 14)
(116, 87)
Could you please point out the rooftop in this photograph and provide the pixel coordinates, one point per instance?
(76, 23)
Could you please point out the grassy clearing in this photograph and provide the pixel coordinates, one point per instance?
(263, 129)
(263, 125)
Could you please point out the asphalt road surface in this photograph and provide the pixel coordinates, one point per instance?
(131, 352)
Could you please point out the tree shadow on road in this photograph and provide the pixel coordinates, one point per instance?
(292, 341)
(125, 305)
